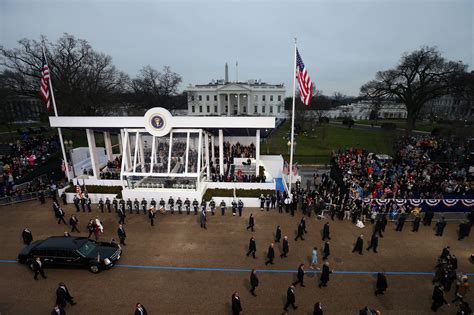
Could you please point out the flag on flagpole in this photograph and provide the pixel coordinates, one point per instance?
(44, 86)
(78, 188)
(304, 82)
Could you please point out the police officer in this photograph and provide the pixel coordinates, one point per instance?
(240, 207)
(129, 206)
(222, 207)
(203, 204)
(107, 204)
(153, 203)
(101, 205)
(179, 203)
(234, 207)
(76, 203)
(115, 204)
(144, 204)
(162, 203)
(171, 204)
(212, 205)
(136, 205)
(122, 203)
(187, 205)
(195, 206)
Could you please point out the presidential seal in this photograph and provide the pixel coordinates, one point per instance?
(157, 122)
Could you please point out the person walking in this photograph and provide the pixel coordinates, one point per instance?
(63, 296)
(270, 254)
(462, 288)
(122, 215)
(416, 223)
(37, 267)
(438, 298)
(464, 230)
(374, 242)
(58, 310)
(300, 232)
(73, 222)
(252, 247)
(290, 298)
(324, 279)
(60, 215)
(300, 276)
(285, 247)
(121, 234)
(27, 236)
(318, 309)
(251, 223)
(381, 285)
(326, 250)
(253, 281)
(140, 309)
(236, 306)
(223, 206)
(277, 234)
(203, 219)
(151, 216)
(314, 258)
(91, 228)
(401, 222)
(240, 207)
(326, 232)
(440, 225)
(359, 245)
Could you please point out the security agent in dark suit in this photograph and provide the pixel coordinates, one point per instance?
(63, 296)
(253, 281)
(416, 223)
(270, 254)
(101, 205)
(326, 231)
(401, 222)
(73, 221)
(278, 234)
(290, 298)
(359, 245)
(122, 215)
(286, 247)
(37, 267)
(212, 205)
(144, 203)
(381, 284)
(27, 236)
(374, 242)
(60, 216)
(300, 232)
(464, 230)
(75, 200)
(236, 306)
(252, 247)
(121, 234)
(251, 223)
(438, 298)
(140, 310)
(58, 311)
(324, 275)
(300, 276)
(240, 206)
(234, 207)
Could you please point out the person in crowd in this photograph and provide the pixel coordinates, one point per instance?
(440, 225)
(144, 205)
(27, 236)
(91, 228)
(314, 258)
(285, 247)
(300, 276)
(140, 309)
(270, 254)
(187, 205)
(374, 242)
(60, 216)
(359, 245)
(37, 267)
(326, 232)
(236, 305)
(122, 235)
(240, 206)
(324, 279)
(171, 204)
(464, 230)
(381, 285)
(73, 222)
(212, 206)
(122, 214)
(179, 204)
(151, 215)
(318, 309)
(252, 247)
(300, 232)
(195, 206)
(203, 219)
(251, 223)
(253, 281)
(438, 298)
(290, 298)
(136, 206)
(58, 310)
(63, 296)
(223, 205)
(326, 250)
(277, 234)
(416, 223)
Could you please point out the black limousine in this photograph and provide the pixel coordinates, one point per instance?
(72, 251)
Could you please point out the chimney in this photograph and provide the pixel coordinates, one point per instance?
(226, 78)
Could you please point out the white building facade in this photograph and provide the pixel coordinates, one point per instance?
(252, 98)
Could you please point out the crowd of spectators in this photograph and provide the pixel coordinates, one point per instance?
(233, 172)
(112, 169)
(423, 167)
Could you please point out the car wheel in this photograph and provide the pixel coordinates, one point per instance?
(94, 268)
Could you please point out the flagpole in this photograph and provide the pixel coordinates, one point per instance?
(292, 120)
(66, 166)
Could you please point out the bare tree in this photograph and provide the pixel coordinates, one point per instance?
(419, 77)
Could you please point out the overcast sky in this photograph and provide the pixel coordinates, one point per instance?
(343, 43)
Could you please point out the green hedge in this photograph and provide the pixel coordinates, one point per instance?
(241, 193)
(94, 189)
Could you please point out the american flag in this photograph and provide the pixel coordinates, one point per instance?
(306, 86)
(78, 189)
(44, 87)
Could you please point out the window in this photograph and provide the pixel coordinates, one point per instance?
(271, 109)
(207, 98)
(279, 98)
(271, 98)
(200, 97)
(256, 109)
(208, 108)
(192, 109)
(263, 108)
(192, 98)
(215, 109)
(87, 248)
(245, 109)
(226, 97)
(256, 98)
(215, 98)
(200, 108)
(263, 98)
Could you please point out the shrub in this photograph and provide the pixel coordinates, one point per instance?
(389, 126)
(94, 189)
(242, 193)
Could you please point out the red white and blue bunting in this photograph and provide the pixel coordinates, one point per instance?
(418, 202)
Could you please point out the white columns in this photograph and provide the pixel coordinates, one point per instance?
(142, 152)
(169, 152)
(187, 153)
(248, 104)
(120, 142)
(206, 145)
(257, 152)
(218, 104)
(153, 154)
(221, 152)
(124, 156)
(238, 104)
(199, 161)
(108, 146)
(228, 104)
(135, 155)
(213, 157)
(93, 152)
(128, 152)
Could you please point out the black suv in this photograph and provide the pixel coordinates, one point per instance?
(72, 251)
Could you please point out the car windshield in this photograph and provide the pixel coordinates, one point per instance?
(87, 248)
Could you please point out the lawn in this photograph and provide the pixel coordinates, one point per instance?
(316, 146)
(422, 126)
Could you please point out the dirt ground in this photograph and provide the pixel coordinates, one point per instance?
(178, 241)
